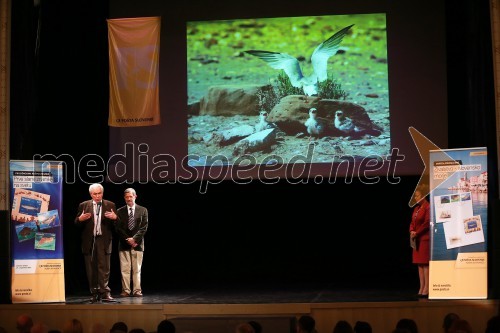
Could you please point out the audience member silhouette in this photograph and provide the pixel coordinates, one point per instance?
(165, 326)
(452, 323)
(448, 319)
(244, 328)
(362, 327)
(493, 325)
(306, 324)
(39, 327)
(119, 327)
(460, 326)
(342, 326)
(73, 326)
(408, 324)
(256, 326)
(400, 330)
(24, 323)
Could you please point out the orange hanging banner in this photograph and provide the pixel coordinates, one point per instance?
(134, 50)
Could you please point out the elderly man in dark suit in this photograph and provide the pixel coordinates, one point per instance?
(131, 227)
(97, 217)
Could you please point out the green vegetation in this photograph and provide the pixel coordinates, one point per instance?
(328, 89)
(331, 89)
(284, 87)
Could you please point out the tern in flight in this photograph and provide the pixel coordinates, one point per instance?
(319, 60)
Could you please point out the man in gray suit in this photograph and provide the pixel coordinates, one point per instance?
(132, 224)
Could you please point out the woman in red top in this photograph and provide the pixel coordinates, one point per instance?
(419, 231)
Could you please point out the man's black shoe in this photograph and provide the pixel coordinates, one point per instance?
(96, 298)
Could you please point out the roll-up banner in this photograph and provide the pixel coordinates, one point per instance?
(36, 232)
(459, 224)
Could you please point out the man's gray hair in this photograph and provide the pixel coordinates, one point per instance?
(96, 186)
(129, 190)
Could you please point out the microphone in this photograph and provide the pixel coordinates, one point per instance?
(98, 209)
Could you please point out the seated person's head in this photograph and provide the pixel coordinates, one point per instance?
(306, 324)
(165, 326)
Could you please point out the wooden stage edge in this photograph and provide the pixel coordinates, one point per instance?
(275, 318)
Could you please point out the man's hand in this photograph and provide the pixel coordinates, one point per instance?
(131, 242)
(110, 215)
(84, 216)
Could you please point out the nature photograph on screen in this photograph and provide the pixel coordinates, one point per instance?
(276, 88)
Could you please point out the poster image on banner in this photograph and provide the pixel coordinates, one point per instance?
(36, 232)
(459, 224)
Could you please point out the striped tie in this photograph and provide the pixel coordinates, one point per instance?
(131, 220)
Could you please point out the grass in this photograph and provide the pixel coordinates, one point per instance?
(268, 98)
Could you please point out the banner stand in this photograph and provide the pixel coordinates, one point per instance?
(36, 232)
(458, 267)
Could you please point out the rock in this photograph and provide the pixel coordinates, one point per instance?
(230, 100)
(227, 137)
(255, 142)
(292, 111)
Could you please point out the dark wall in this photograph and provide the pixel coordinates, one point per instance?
(256, 234)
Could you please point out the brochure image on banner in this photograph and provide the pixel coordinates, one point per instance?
(466, 232)
(26, 231)
(454, 207)
(27, 204)
(45, 241)
(48, 220)
(30, 206)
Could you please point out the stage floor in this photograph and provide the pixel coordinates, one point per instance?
(268, 295)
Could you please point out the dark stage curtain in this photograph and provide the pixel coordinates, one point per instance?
(471, 108)
(24, 77)
(471, 103)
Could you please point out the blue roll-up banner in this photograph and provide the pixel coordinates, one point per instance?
(36, 232)
(459, 224)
